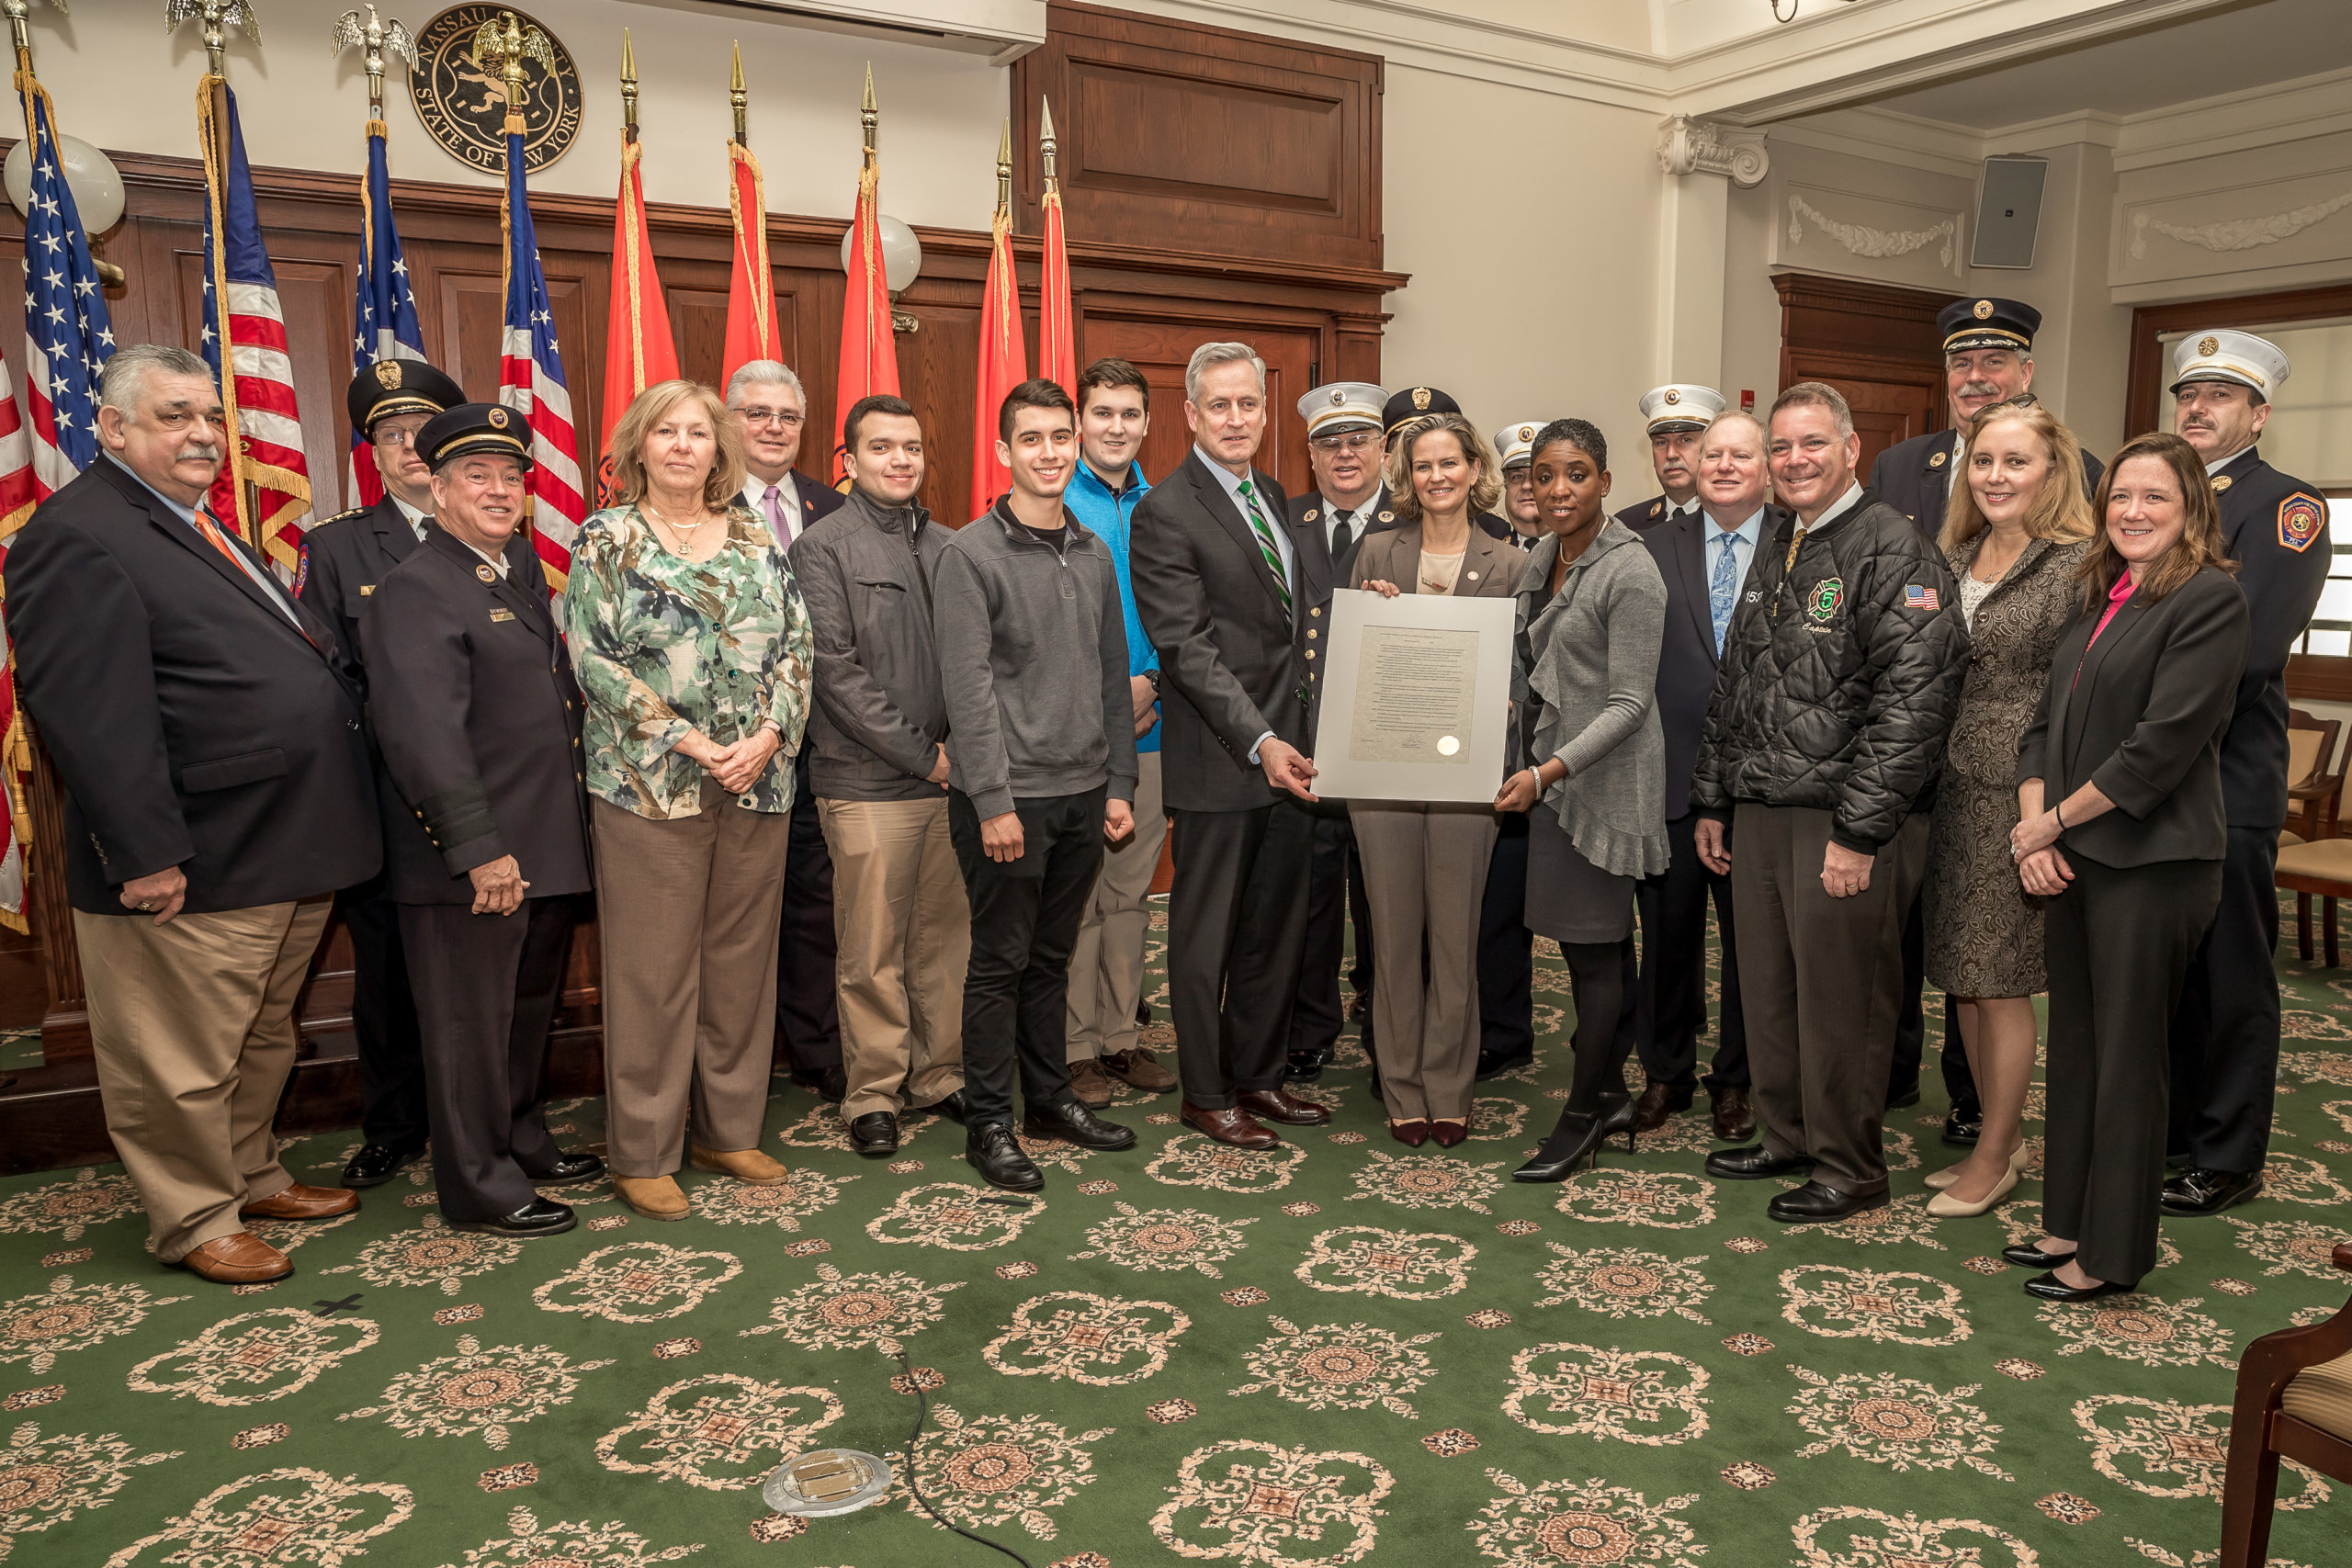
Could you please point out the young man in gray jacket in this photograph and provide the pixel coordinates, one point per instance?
(1033, 667)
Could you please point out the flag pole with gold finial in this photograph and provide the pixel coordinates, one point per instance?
(639, 351)
(869, 362)
(1056, 311)
(752, 331)
(1005, 357)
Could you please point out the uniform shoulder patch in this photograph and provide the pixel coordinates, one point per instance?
(2302, 517)
(1658, 508)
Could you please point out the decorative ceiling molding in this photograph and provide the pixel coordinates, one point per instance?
(1875, 244)
(1687, 146)
(2236, 234)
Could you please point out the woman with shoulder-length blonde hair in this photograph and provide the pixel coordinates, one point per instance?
(1425, 864)
(2015, 532)
(2122, 830)
(693, 651)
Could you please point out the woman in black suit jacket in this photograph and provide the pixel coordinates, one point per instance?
(2126, 747)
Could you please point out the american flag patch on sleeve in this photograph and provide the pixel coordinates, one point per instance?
(1918, 598)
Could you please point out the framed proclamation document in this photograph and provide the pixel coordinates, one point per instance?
(1416, 697)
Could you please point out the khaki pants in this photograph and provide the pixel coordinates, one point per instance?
(687, 913)
(1106, 966)
(904, 928)
(192, 1024)
(1425, 876)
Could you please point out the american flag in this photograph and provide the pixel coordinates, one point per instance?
(530, 380)
(383, 313)
(1918, 598)
(257, 387)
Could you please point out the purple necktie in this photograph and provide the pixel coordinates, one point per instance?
(776, 524)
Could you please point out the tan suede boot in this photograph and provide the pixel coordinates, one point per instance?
(655, 1197)
(748, 1165)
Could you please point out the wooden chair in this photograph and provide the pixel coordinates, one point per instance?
(2294, 1402)
(2315, 784)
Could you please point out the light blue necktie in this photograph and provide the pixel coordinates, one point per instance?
(1723, 588)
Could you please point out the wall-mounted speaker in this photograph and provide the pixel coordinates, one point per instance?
(2009, 211)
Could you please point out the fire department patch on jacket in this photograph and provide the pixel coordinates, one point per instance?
(1827, 595)
(2301, 519)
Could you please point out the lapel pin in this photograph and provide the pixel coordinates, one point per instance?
(484, 572)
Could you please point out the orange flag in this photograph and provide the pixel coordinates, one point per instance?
(869, 365)
(1056, 320)
(751, 287)
(1004, 354)
(638, 350)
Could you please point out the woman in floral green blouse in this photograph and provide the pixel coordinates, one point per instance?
(692, 646)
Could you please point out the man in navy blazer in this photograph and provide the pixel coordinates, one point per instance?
(1704, 557)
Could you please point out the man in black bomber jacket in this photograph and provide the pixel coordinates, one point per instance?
(1841, 678)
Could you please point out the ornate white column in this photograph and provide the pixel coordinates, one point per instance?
(1700, 162)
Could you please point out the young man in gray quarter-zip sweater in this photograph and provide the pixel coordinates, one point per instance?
(1033, 669)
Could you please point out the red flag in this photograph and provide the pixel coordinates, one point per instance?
(751, 287)
(1056, 320)
(869, 365)
(638, 350)
(1004, 363)
(17, 497)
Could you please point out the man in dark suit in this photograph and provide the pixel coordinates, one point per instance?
(343, 560)
(1988, 359)
(1675, 413)
(2226, 1035)
(1233, 599)
(216, 794)
(1705, 561)
(1348, 503)
(485, 819)
(767, 401)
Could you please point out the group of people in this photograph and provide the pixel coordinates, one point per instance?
(880, 801)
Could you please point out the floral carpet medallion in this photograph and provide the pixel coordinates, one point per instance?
(68, 1208)
(1582, 1522)
(1427, 1181)
(1191, 1160)
(1494, 1120)
(1103, 1341)
(721, 1431)
(1670, 1201)
(954, 1215)
(1405, 1266)
(1897, 1422)
(47, 1480)
(2297, 1247)
(1340, 1366)
(2297, 1179)
(1624, 1281)
(1250, 1502)
(783, 1205)
(477, 1391)
(2141, 1329)
(994, 1469)
(290, 1515)
(1652, 1397)
(432, 1254)
(578, 1544)
(1150, 1239)
(1864, 1537)
(1865, 1303)
(255, 1356)
(39, 1328)
(2167, 1450)
(637, 1281)
(846, 1312)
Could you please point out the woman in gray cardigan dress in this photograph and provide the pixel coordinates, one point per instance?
(1591, 615)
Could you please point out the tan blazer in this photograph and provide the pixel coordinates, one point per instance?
(1490, 567)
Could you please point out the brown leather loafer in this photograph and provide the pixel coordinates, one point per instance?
(1658, 1102)
(1275, 1105)
(301, 1202)
(238, 1260)
(1232, 1125)
(1735, 1121)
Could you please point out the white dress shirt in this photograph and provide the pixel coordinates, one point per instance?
(1745, 537)
(755, 496)
(1359, 520)
(416, 520)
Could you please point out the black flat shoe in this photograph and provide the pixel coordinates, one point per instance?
(2201, 1191)
(1074, 1122)
(2026, 1257)
(950, 1105)
(379, 1163)
(828, 1084)
(568, 1168)
(1753, 1163)
(874, 1134)
(1493, 1063)
(1576, 1138)
(1306, 1066)
(1963, 1126)
(2051, 1287)
(1814, 1202)
(992, 1152)
(537, 1217)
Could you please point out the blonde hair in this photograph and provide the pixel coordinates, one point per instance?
(2200, 544)
(720, 487)
(1485, 492)
(2059, 511)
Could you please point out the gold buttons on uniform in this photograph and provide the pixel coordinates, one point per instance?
(1310, 634)
(1318, 611)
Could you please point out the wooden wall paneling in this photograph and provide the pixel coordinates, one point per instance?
(1877, 344)
(2146, 406)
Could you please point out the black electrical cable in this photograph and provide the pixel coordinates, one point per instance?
(923, 1417)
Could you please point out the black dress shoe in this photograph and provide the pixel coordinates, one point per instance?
(379, 1163)
(2198, 1190)
(876, 1134)
(577, 1166)
(1753, 1163)
(1965, 1125)
(1904, 1098)
(828, 1084)
(950, 1105)
(1074, 1122)
(2051, 1287)
(1307, 1064)
(1574, 1138)
(2026, 1257)
(991, 1150)
(537, 1217)
(1814, 1201)
(1491, 1063)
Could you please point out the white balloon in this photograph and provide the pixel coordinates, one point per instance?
(902, 254)
(95, 183)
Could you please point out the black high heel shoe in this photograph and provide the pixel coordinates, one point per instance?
(1617, 1115)
(1574, 1138)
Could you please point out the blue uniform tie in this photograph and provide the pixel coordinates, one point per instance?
(1723, 588)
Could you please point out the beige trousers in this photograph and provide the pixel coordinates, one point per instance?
(903, 929)
(687, 912)
(1106, 966)
(192, 1024)
(1425, 876)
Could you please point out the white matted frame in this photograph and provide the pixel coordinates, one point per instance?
(1363, 753)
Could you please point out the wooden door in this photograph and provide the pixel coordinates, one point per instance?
(1160, 348)
(1878, 345)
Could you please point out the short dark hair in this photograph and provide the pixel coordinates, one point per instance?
(881, 402)
(1580, 433)
(1036, 393)
(1112, 371)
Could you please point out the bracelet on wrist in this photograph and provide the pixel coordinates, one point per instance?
(2059, 811)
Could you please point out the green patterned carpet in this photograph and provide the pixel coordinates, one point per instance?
(1343, 1351)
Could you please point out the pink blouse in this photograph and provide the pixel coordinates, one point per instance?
(2115, 598)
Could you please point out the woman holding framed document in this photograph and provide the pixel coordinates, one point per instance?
(1584, 686)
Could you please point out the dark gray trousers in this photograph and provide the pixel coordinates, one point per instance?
(2225, 1032)
(1237, 925)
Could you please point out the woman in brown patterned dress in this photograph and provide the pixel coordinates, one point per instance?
(2014, 530)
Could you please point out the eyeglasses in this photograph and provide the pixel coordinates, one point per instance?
(1354, 441)
(395, 435)
(789, 419)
